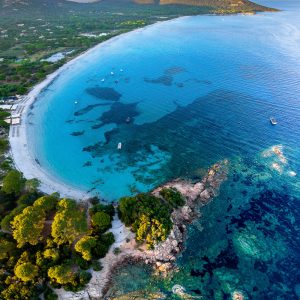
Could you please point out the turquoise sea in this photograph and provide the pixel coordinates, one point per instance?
(180, 96)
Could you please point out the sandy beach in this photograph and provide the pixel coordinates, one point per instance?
(22, 154)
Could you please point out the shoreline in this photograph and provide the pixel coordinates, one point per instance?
(20, 151)
(22, 154)
(163, 257)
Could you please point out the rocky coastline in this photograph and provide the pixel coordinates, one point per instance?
(163, 256)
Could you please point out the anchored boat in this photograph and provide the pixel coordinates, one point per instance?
(273, 121)
(119, 146)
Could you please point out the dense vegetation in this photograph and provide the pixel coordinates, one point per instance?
(46, 239)
(32, 30)
(150, 216)
(5, 161)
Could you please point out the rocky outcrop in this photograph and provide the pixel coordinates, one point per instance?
(163, 256)
(196, 195)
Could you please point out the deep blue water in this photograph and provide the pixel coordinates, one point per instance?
(196, 90)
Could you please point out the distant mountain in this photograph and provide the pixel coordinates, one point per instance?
(205, 3)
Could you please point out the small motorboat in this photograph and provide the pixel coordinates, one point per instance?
(128, 119)
(102, 80)
(112, 73)
(119, 146)
(121, 70)
(76, 102)
(273, 121)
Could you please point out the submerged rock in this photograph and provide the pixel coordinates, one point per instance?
(178, 290)
(238, 295)
(104, 93)
(256, 245)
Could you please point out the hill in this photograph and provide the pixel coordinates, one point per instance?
(33, 30)
(224, 4)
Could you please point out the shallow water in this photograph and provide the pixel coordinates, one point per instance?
(193, 91)
(183, 95)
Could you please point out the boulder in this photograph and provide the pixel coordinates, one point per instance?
(205, 195)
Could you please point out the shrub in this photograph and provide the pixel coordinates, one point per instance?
(49, 294)
(96, 265)
(101, 221)
(172, 196)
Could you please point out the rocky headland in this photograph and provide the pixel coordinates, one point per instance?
(163, 256)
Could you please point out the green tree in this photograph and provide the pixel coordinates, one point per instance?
(7, 220)
(19, 290)
(13, 182)
(85, 246)
(172, 196)
(47, 203)
(69, 222)
(28, 226)
(26, 271)
(32, 185)
(128, 210)
(101, 221)
(62, 274)
(49, 294)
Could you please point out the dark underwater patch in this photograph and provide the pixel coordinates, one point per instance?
(164, 79)
(186, 132)
(88, 108)
(87, 164)
(174, 70)
(167, 78)
(77, 133)
(92, 148)
(227, 258)
(104, 93)
(196, 80)
(119, 113)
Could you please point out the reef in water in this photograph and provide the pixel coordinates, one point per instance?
(104, 93)
(119, 113)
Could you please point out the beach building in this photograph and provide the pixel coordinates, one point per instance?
(9, 107)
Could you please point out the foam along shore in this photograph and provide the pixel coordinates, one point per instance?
(163, 256)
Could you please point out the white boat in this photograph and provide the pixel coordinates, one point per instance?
(121, 70)
(102, 80)
(112, 73)
(273, 121)
(119, 146)
(76, 102)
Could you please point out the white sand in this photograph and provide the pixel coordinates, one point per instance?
(21, 153)
(99, 280)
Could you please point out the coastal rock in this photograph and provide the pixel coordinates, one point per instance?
(205, 195)
(163, 256)
(186, 212)
(164, 268)
(238, 295)
(174, 243)
(199, 186)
